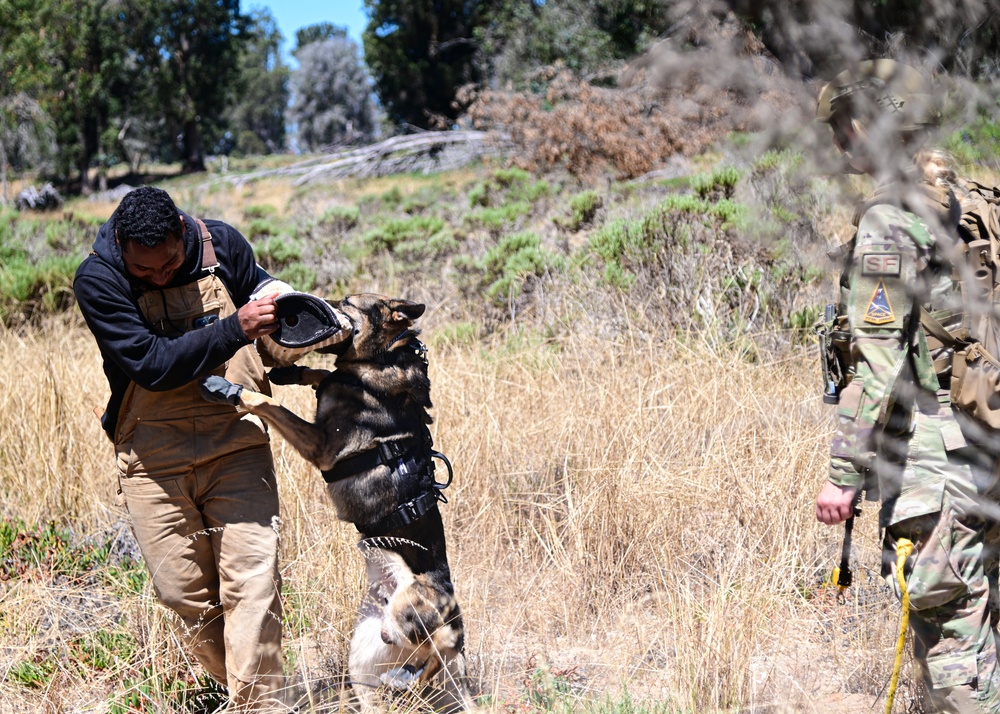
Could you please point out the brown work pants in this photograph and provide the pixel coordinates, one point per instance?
(209, 536)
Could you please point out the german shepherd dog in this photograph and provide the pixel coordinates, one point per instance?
(371, 442)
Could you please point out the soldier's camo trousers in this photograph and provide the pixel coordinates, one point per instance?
(954, 637)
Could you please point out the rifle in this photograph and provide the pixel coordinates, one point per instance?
(834, 352)
(842, 576)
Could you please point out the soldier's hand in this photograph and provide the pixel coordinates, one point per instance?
(835, 504)
(259, 317)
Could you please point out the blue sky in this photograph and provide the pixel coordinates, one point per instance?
(294, 14)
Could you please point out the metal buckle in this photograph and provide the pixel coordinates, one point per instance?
(409, 510)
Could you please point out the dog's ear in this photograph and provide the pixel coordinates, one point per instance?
(404, 310)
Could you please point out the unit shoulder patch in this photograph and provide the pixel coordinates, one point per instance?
(881, 264)
(879, 310)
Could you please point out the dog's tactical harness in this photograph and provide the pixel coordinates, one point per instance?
(401, 456)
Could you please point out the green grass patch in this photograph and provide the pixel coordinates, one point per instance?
(149, 691)
(456, 334)
(31, 673)
(48, 550)
(29, 289)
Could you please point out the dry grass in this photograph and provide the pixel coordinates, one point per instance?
(628, 515)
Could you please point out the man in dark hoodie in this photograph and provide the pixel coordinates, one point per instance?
(169, 300)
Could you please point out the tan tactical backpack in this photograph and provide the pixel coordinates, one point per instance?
(972, 334)
(975, 366)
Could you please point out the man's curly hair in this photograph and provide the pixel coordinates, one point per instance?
(147, 216)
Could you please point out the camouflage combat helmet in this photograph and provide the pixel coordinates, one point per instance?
(879, 87)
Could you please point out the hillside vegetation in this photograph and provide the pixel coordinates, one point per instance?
(625, 379)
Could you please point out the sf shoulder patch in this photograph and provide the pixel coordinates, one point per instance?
(879, 310)
(881, 264)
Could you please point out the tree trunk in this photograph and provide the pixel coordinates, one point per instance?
(194, 158)
(3, 172)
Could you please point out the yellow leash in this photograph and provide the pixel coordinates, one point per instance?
(903, 550)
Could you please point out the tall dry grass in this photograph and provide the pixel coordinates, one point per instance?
(631, 522)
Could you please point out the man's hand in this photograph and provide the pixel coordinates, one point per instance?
(835, 504)
(220, 390)
(259, 317)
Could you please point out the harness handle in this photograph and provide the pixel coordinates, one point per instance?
(451, 471)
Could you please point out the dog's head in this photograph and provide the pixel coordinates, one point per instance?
(379, 325)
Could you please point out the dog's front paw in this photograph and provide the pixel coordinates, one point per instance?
(220, 390)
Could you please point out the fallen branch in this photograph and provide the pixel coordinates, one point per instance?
(426, 152)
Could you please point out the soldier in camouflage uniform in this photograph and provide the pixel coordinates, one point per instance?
(898, 435)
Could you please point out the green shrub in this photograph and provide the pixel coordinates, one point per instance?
(976, 143)
(278, 252)
(720, 183)
(508, 185)
(624, 243)
(707, 264)
(393, 197)
(772, 160)
(583, 207)
(28, 290)
(416, 237)
(299, 276)
(259, 228)
(496, 219)
(508, 266)
(340, 218)
(255, 212)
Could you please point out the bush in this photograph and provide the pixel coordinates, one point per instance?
(299, 276)
(497, 219)
(254, 212)
(411, 238)
(583, 207)
(277, 252)
(29, 290)
(587, 128)
(701, 261)
(511, 264)
(508, 185)
(720, 183)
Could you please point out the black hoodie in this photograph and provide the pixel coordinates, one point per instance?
(132, 351)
